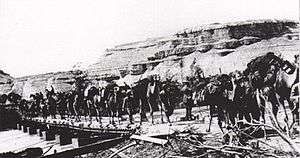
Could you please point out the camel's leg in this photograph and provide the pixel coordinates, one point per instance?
(152, 118)
(167, 115)
(69, 111)
(119, 117)
(110, 116)
(88, 110)
(113, 118)
(161, 113)
(100, 116)
(168, 118)
(210, 121)
(220, 124)
(75, 109)
(294, 109)
(141, 110)
(97, 114)
(97, 110)
(151, 112)
(76, 113)
(264, 121)
(281, 101)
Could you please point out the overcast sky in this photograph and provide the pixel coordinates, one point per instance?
(39, 36)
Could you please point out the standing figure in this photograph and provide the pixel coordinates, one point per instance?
(51, 102)
(93, 101)
(128, 105)
(103, 94)
(153, 90)
(44, 110)
(215, 95)
(187, 100)
(114, 105)
(70, 101)
(79, 105)
(62, 105)
(139, 90)
(167, 102)
(23, 107)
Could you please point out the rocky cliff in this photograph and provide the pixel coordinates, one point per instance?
(214, 48)
(6, 82)
(211, 47)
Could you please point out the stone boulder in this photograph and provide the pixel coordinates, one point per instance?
(292, 36)
(224, 52)
(184, 50)
(227, 44)
(249, 40)
(203, 48)
(6, 82)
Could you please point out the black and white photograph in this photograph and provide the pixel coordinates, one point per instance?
(149, 79)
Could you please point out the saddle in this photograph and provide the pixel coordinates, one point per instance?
(214, 87)
(288, 67)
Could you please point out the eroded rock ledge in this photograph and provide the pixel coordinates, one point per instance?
(137, 57)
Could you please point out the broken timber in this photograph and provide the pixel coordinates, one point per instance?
(98, 146)
(86, 140)
(160, 134)
(149, 139)
(118, 152)
(100, 130)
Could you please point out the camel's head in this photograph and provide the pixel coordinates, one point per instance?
(226, 82)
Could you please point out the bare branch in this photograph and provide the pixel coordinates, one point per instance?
(290, 142)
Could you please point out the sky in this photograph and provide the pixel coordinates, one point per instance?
(40, 36)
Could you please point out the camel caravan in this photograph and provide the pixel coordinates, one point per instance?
(266, 85)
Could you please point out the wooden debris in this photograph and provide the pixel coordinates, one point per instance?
(102, 145)
(284, 137)
(159, 134)
(183, 134)
(118, 152)
(150, 139)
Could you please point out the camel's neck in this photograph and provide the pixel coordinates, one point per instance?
(290, 79)
(297, 76)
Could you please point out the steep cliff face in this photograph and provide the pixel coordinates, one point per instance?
(61, 82)
(205, 43)
(6, 82)
(214, 48)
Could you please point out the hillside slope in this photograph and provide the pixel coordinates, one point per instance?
(214, 48)
(6, 82)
